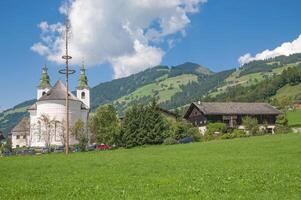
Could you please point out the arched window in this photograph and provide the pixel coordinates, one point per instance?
(83, 95)
(43, 93)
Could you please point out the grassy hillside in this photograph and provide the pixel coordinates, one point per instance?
(246, 80)
(294, 118)
(10, 117)
(288, 91)
(265, 167)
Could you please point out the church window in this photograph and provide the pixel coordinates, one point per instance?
(83, 95)
(43, 93)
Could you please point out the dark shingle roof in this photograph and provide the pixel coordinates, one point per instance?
(235, 108)
(58, 92)
(22, 127)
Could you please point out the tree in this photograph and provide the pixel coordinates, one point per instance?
(105, 125)
(80, 134)
(47, 123)
(251, 125)
(282, 120)
(144, 125)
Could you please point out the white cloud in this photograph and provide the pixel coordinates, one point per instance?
(125, 33)
(285, 49)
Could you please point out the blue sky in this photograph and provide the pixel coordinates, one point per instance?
(216, 37)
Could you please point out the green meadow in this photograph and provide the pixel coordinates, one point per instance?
(294, 118)
(263, 167)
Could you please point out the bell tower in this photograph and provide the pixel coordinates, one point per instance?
(83, 90)
(44, 85)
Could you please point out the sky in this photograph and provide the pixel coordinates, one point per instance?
(118, 38)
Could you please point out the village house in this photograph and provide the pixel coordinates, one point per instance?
(230, 113)
(297, 104)
(45, 124)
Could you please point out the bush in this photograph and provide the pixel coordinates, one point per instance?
(238, 133)
(280, 129)
(170, 141)
(282, 120)
(227, 136)
(214, 128)
(197, 137)
(251, 125)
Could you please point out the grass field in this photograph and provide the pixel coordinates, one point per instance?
(266, 167)
(294, 118)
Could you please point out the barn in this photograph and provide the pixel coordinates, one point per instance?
(230, 113)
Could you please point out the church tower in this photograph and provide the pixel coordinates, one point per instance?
(83, 90)
(44, 85)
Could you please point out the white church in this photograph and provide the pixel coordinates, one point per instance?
(45, 124)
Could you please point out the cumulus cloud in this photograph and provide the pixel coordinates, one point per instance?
(126, 34)
(285, 49)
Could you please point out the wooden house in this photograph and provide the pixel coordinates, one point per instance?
(230, 113)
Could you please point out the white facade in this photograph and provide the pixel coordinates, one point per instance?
(45, 125)
(84, 96)
(42, 92)
(55, 111)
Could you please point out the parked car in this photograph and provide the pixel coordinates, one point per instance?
(45, 150)
(59, 149)
(25, 152)
(6, 153)
(185, 140)
(102, 147)
(91, 147)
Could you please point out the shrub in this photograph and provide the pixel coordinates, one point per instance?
(251, 125)
(214, 128)
(170, 141)
(238, 133)
(282, 120)
(281, 129)
(197, 137)
(227, 136)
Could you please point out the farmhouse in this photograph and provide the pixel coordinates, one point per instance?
(230, 113)
(46, 121)
(297, 104)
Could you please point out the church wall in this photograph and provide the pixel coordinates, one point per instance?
(55, 109)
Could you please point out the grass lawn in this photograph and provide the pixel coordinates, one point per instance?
(294, 118)
(266, 167)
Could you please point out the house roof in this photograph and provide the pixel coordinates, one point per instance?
(58, 92)
(22, 127)
(233, 108)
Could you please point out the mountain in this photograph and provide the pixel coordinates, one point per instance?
(177, 86)
(162, 81)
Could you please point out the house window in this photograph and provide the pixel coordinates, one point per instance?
(83, 95)
(18, 137)
(24, 136)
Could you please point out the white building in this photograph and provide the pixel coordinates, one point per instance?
(46, 121)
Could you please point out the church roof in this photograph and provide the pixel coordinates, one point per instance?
(58, 92)
(22, 127)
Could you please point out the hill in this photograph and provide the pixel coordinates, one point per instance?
(161, 81)
(177, 86)
(207, 170)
